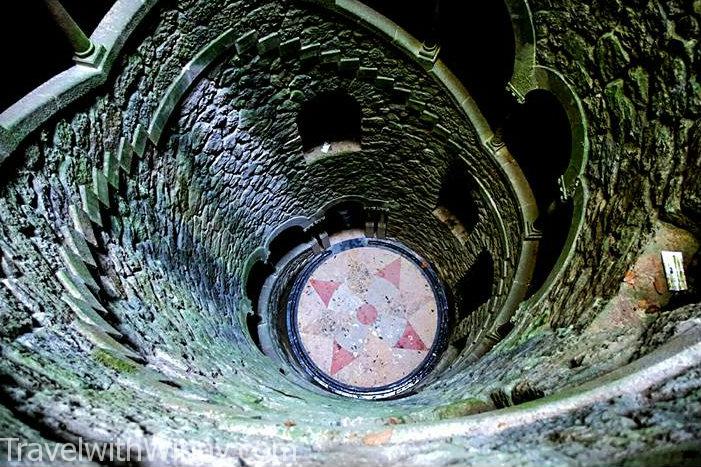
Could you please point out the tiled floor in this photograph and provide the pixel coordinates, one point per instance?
(367, 317)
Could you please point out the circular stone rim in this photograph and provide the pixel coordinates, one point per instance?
(390, 390)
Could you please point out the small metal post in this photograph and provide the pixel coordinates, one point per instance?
(82, 45)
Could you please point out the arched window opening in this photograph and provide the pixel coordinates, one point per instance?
(285, 242)
(257, 276)
(456, 203)
(252, 322)
(539, 136)
(330, 122)
(475, 287)
(555, 225)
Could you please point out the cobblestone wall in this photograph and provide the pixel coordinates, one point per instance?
(124, 319)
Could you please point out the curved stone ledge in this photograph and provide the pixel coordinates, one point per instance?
(580, 199)
(674, 358)
(168, 333)
(525, 53)
(189, 75)
(528, 76)
(111, 36)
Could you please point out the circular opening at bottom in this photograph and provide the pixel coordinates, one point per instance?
(367, 318)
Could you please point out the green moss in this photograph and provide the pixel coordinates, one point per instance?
(612, 56)
(639, 81)
(622, 108)
(462, 408)
(115, 363)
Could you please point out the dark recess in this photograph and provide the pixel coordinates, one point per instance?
(475, 287)
(414, 16)
(36, 49)
(254, 286)
(476, 39)
(345, 216)
(288, 240)
(479, 53)
(256, 278)
(329, 117)
(477, 44)
(252, 322)
(456, 195)
(538, 135)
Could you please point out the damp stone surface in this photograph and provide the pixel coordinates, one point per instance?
(151, 191)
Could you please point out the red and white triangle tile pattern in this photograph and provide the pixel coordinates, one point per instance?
(367, 317)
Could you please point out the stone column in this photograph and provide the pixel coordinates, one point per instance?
(82, 45)
(432, 40)
(431, 44)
